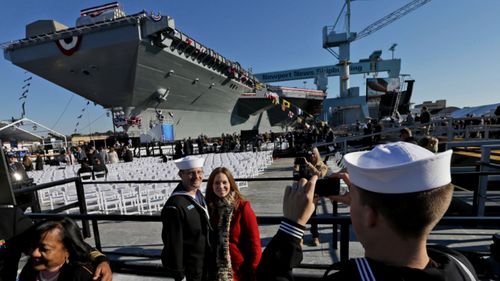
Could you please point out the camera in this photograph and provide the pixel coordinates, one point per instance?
(299, 161)
(300, 169)
(327, 187)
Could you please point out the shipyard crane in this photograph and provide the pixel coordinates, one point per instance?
(343, 40)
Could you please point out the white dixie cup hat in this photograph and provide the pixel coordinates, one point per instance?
(189, 162)
(398, 167)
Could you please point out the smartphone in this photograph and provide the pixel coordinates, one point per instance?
(328, 186)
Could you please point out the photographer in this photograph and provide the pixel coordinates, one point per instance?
(20, 179)
(398, 193)
(306, 167)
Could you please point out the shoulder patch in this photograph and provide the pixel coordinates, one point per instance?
(190, 207)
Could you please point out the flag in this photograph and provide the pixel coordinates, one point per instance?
(276, 100)
(285, 104)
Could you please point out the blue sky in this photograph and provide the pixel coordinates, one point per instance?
(450, 47)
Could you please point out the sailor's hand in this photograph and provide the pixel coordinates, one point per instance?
(342, 198)
(298, 204)
(103, 271)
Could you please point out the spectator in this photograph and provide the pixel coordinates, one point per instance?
(406, 135)
(80, 155)
(127, 154)
(425, 119)
(429, 143)
(16, 170)
(58, 253)
(99, 169)
(315, 167)
(84, 171)
(113, 156)
(38, 162)
(236, 238)
(27, 163)
(69, 158)
(103, 152)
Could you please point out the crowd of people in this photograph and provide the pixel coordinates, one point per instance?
(397, 193)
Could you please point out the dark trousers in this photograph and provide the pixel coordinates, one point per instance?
(314, 227)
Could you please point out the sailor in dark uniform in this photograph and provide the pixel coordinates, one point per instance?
(14, 226)
(398, 193)
(186, 224)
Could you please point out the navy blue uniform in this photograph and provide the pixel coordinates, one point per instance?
(284, 252)
(185, 235)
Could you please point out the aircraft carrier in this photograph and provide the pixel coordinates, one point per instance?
(147, 72)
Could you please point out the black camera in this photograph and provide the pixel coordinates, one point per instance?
(300, 169)
(300, 161)
(327, 187)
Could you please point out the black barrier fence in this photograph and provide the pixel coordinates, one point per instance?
(82, 205)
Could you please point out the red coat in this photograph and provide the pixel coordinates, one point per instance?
(244, 243)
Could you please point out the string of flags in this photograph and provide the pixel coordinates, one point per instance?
(24, 94)
(286, 106)
(81, 115)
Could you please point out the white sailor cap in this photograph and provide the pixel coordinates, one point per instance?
(189, 162)
(399, 167)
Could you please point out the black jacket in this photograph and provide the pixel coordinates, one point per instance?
(68, 272)
(185, 235)
(425, 117)
(15, 234)
(14, 226)
(284, 252)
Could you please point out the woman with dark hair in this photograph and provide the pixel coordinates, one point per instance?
(237, 241)
(58, 253)
(27, 163)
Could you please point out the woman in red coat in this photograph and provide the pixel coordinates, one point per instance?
(237, 248)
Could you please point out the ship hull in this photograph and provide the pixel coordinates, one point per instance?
(139, 63)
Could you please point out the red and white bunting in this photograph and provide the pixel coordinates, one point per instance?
(156, 17)
(69, 45)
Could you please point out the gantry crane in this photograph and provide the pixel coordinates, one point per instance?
(343, 40)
